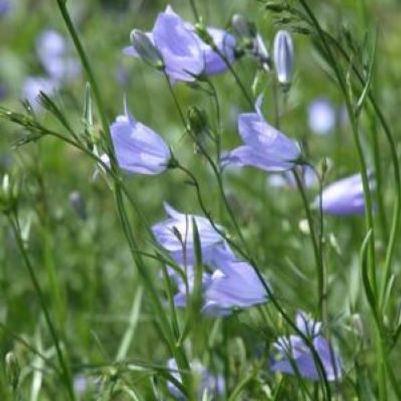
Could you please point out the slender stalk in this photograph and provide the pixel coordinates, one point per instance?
(178, 352)
(194, 9)
(367, 193)
(315, 243)
(89, 73)
(65, 371)
(271, 296)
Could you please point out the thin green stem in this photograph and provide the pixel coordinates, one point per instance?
(315, 244)
(66, 375)
(178, 352)
(270, 295)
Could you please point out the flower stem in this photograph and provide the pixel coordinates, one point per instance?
(65, 371)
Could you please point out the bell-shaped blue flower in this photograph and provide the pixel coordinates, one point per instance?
(177, 44)
(138, 149)
(265, 147)
(344, 197)
(294, 356)
(175, 234)
(185, 55)
(225, 43)
(53, 52)
(232, 285)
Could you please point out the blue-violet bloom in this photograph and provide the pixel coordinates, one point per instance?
(294, 356)
(178, 46)
(233, 284)
(138, 148)
(265, 147)
(344, 197)
(175, 234)
(184, 54)
(321, 116)
(53, 52)
(5, 7)
(225, 43)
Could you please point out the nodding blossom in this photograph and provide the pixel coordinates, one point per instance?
(321, 116)
(344, 197)
(231, 285)
(184, 54)
(205, 380)
(283, 53)
(138, 149)
(294, 356)
(265, 147)
(53, 52)
(5, 7)
(175, 234)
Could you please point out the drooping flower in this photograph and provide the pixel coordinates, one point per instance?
(53, 53)
(185, 55)
(321, 116)
(32, 87)
(294, 356)
(283, 57)
(138, 148)
(344, 197)
(206, 381)
(225, 43)
(5, 7)
(232, 284)
(178, 46)
(175, 234)
(265, 147)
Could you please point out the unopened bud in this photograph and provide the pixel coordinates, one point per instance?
(78, 204)
(8, 194)
(198, 126)
(242, 27)
(12, 370)
(283, 57)
(197, 120)
(275, 7)
(357, 324)
(146, 49)
(304, 227)
(261, 53)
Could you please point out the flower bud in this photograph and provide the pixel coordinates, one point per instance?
(146, 49)
(275, 7)
(197, 120)
(198, 126)
(283, 57)
(242, 27)
(8, 194)
(12, 370)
